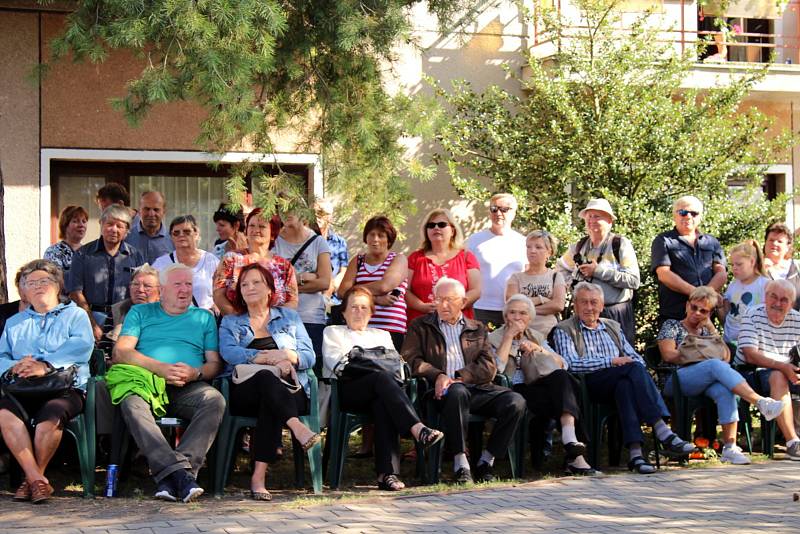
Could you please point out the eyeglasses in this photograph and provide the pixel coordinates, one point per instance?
(684, 213)
(697, 309)
(185, 231)
(501, 209)
(447, 300)
(146, 287)
(440, 224)
(41, 282)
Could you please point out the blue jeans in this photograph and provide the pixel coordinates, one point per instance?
(715, 379)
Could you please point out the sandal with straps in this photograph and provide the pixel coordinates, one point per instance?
(310, 442)
(639, 465)
(429, 437)
(391, 483)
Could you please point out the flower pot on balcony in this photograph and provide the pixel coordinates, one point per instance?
(748, 9)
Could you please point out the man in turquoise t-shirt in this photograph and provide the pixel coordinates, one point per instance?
(178, 342)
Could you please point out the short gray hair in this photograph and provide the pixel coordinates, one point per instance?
(688, 200)
(446, 282)
(784, 285)
(144, 270)
(53, 271)
(164, 273)
(117, 212)
(587, 286)
(519, 297)
(504, 196)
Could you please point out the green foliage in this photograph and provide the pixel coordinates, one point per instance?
(262, 67)
(605, 115)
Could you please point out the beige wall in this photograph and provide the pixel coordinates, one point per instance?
(19, 137)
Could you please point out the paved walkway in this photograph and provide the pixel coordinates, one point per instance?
(726, 499)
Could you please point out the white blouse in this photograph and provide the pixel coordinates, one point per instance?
(338, 340)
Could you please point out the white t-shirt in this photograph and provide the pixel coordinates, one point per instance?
(202, 276)
(742, 297)
(338, 340)
(774, 342)
(310, 306)
(499, 257)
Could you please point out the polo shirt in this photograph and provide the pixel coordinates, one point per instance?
(183, 338)
(692, 264)
(103, 279)
(151, 247)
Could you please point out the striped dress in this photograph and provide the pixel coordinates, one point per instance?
(390, 318)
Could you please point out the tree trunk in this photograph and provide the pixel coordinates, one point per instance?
(3, 271)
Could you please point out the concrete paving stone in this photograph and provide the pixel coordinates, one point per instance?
(147, 524)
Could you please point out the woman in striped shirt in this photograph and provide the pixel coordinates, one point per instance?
(383, 273)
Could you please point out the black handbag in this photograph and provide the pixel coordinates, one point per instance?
(360, 361)
(50, 385)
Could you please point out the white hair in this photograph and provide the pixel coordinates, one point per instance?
(587, 286)
(688, 200)
(504, 196)
(446, 282)
(784, 285)
(519, 297)
(164, 273)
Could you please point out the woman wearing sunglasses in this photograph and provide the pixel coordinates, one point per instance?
(185, 236)
(714, 378)
(440, 254)
(685, 258)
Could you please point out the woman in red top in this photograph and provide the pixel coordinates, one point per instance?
(441, 254)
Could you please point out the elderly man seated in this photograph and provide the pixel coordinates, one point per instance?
(453, 353)
(143, 289)
(615, 373)
(767, 335)
(170, 349)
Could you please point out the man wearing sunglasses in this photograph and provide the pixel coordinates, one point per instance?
(500, 252)
(684, 258)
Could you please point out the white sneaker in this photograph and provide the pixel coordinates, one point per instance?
(770, 408)
(793, 451)
(734, 455)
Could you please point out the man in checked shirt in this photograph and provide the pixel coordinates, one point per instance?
(615, 373)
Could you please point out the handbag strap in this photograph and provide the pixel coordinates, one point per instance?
(303, 249)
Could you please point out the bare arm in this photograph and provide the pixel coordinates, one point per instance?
(349, 278)
(669, 350)
(512, 287)
(221, 301)
(555, 304)
(720, 277)
(322, 279)
(673, 281)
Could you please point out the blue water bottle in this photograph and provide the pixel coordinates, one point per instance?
(111, 480)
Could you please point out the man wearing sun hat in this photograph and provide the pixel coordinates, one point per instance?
(606, 259)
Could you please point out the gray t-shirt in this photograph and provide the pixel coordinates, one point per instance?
(311, 306)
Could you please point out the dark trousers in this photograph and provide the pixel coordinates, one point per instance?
(381, 396)
(264, 397)
(550, 397)
(623, 314)
(462, 400)
(490, 316)
(635, 394)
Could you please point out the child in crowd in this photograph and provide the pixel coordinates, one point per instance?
(745, 291)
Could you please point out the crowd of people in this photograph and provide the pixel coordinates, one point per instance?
(279, 297)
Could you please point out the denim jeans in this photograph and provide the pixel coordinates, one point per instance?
(715, 379)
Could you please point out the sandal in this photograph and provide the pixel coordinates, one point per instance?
(391, 483)
(639, 465)
(23, 492)
(574, 449)
(310, 442)
(40, 491)
(260, 495)
(429, 437)
(675, 447)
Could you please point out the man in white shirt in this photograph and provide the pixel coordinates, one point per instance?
(768, 333)
(501, 253)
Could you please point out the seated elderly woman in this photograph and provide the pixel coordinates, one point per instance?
(713, 378)
(376, 392)
(549, 390)
(271, 336)
(48, 334)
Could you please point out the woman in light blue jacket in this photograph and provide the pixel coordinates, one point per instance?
(49, 334)
(273, 336)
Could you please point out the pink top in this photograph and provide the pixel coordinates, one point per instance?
(427, 273)
(390, 318)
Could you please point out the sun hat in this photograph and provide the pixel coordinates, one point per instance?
(599, 204)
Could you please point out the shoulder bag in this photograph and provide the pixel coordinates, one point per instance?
(360, 361)
(696, 348)
(51, 385)
(245, 371)
(538, 364)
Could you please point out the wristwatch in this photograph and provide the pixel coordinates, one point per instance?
(199, 375)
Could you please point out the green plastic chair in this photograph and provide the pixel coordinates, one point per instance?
(82, 429)
(233, 424)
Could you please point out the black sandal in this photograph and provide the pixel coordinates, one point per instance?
(429, 437)
(391, 483)
(639, 465)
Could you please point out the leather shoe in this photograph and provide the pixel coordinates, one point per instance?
(40, 491)
(463, 476)
(23, 492)
(581, 471)
(484, 472)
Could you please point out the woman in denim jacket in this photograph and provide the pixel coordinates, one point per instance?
(260, 334)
